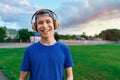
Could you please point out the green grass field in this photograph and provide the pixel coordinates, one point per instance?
(91, 62)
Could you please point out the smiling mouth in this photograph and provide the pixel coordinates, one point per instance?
(45, 30)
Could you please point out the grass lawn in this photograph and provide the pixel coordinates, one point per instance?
(91, 62)
(10, 61)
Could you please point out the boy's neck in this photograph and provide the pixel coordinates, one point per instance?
(48, 42)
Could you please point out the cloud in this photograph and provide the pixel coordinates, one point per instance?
(23, 4)
(78, 12)
(7, 13)
(17, 12)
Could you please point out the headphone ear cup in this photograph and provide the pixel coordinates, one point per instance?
(56, 24)
(34, 26)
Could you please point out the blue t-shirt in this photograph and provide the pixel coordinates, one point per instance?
(46, 62)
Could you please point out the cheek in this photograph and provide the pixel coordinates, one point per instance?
(39, 27)
(52, 25)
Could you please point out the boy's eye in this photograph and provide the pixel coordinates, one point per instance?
(40, 22)
(48, 21)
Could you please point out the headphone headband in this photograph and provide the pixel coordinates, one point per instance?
(43, 12)
(51, 14)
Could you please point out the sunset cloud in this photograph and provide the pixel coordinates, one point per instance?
(81, 12)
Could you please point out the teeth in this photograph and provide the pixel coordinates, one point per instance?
(45, 30)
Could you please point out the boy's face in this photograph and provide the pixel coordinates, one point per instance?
(45, 26)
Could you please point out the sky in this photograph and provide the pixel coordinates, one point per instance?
(74, 16)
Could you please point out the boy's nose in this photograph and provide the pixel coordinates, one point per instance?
(44, 24)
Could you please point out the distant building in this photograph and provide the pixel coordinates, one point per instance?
(78, 37)
(35, 38)
(11, 33)
(98, 39)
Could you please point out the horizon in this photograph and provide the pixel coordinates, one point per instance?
(63, 34)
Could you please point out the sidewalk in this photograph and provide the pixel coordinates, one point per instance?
(2, 77)
(14, 45)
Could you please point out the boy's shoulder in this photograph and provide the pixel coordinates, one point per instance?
(33, 45)
(62, 45)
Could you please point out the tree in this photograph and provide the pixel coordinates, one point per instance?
(2, 33)
(110, 34)
(24, 35)
(56, 35)
(84, 36)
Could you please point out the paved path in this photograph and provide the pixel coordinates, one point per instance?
(2, 77)
(67, 42)
(14, 45)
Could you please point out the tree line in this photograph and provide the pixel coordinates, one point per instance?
(24, 35)
(110, 34)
